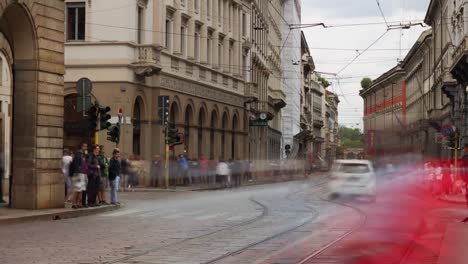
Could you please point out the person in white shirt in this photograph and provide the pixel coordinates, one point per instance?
(66, 161)
(222, 172)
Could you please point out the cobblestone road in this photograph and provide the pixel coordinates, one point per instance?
(280, 223)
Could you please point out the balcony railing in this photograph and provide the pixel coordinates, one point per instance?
(251, 90)
(147, 60)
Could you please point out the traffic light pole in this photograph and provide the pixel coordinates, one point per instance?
(166, 167)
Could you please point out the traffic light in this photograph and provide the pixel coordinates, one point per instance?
(174, 137)
(113, 134)
(92, 117)
(104, 117)
(451, 140)
(163, 109)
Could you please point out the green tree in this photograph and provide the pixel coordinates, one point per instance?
(351, 137)
(366, 83)
(324, 81)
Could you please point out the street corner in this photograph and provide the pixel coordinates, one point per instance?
(15, 216)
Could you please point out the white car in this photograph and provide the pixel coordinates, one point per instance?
(353, 177)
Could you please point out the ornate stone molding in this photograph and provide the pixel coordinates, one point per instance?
(204, 91)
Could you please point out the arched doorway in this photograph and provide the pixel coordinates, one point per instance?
(136, 121)
(188, 118)
(223, 135)
(75, 126)
(235, 128)
(214, 120)
(201, 124)
(37, 118)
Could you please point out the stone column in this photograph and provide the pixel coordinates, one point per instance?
(159, 22)
(203, 44)
(226, 46)
(190, 38)
(176, 32)
(215, 49)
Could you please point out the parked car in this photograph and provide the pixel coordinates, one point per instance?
(353, 177)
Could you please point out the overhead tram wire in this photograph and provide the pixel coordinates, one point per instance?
(382, 13)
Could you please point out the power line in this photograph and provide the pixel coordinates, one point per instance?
(359, 54)
(382, 13)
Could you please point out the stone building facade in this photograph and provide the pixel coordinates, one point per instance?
(385, 114)
(292, 63)
(31, 39)
(195, 52)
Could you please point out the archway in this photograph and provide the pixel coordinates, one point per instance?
(136, 121)
(201, 124)
(224, 127)
(187, 119)
(37, 118)
(174, 112)
(214, 121)
(235, 128)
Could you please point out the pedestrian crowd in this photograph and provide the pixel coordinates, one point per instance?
(184, 171)
(447, 178)
(88, 174)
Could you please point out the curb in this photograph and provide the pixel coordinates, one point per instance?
(73, 213)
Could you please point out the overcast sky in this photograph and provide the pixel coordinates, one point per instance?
(324, 42)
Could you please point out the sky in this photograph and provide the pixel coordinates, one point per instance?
(325, 44)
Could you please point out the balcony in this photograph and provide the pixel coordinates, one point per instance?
(318, 122)
(277, 98)
(148, 60)
(251, 90)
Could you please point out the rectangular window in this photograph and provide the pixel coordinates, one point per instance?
(220, 52)
(220, 8)
(196, 5)
(140, 25)
(182, 40)
(244, 24)
(244, 67)
(230, 57)
(197, 46)
(208, 8)
(182, 2)
(76, 21)
(168, 34)
(209, 48)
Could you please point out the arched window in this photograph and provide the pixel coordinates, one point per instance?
(214, 120)
(223, 136)
(136, 120)
(188, 117)
(235, 128)
(201, 122)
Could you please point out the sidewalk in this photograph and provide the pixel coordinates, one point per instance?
(14, 216)
(211, 187)
(453, 250)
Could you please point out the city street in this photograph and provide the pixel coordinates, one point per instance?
(278, 223)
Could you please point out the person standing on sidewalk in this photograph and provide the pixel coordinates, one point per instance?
(114, 175)
(203, 164)
(222, 172)
(212, 165)
(78, 169)
(93, 176)
(104, 166)
(66, 161)
(236, 172)
(156, 171)
(464, 170)
(184, 170)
